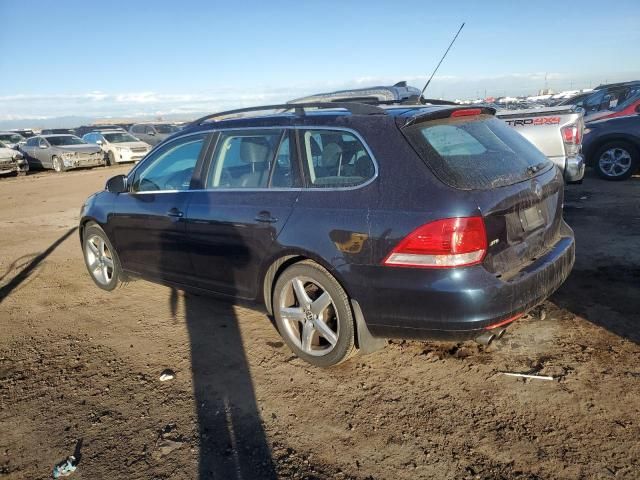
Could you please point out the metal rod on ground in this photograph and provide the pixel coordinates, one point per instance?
(525, 375)
(438, 66)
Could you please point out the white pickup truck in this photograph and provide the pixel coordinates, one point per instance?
(556, 131)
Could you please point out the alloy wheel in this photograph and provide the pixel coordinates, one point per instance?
(615, 162)
(309, 316)
(99, 259)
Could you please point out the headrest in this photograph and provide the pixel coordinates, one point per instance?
(331, 155)
(254, 149)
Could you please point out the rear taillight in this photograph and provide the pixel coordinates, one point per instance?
(451, 242)
(572, 138)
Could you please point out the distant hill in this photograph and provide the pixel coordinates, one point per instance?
(76, 121)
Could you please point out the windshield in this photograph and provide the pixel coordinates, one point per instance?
(63, 140)
(476, 152)
(11, 137)
(166, 128)
(119, 137)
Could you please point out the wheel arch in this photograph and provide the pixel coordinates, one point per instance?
(278, 264)
(365, 343)
(84, 223)
(613, 137)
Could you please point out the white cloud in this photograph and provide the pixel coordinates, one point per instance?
(145, 103)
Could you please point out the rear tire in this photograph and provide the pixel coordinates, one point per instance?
(100, 258)
(313, 315)
(616, 160)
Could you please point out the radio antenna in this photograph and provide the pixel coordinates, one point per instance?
(438, 66)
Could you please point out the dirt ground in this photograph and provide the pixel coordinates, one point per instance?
(79, 370)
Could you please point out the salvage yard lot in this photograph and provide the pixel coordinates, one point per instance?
(79, 363)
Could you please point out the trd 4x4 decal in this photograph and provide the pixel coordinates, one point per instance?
(534, 121)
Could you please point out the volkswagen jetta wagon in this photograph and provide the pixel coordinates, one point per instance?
(349, 223)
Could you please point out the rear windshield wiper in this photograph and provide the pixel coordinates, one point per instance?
(532, 169)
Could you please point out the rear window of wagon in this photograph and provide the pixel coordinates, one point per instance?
(477, 153)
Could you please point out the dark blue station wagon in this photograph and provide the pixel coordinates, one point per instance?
(349, 223)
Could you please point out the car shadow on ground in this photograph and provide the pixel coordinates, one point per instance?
(232, 440)
(26, 270)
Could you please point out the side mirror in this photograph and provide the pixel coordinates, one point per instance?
(98, 142)
(151, 132)
(43, 146)
(117, 184)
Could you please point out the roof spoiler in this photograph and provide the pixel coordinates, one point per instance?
(460, 111)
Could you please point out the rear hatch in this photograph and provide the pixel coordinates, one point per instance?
(518, 190)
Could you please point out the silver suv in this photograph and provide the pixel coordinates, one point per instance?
(153, 133)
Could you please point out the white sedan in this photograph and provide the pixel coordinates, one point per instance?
(118, 145)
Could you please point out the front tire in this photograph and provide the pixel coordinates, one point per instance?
(100, 258)
(616, 160)
(111, 159)
(313, 315)
(58, 164)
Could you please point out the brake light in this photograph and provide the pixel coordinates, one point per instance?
(571, 134)
(446, 243)
(572, 138)
(466, 112)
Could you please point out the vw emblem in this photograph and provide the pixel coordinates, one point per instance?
(536, 188)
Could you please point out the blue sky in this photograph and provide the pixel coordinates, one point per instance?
(137, 57)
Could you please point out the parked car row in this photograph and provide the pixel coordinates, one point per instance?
(62, 149)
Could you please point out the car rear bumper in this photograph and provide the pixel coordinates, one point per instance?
(575, 169)
(572, 168)
(458, 303)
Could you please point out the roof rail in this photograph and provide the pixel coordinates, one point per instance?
(413, 100)
(299, 108)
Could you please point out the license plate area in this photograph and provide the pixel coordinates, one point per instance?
(531, 218)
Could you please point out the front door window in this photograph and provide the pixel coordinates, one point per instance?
(171, 168)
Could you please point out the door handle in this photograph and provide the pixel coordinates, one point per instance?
(174, 212)
(265, 217)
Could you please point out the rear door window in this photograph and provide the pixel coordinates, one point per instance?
(476, 153)
(335, 158)
(244, 159)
